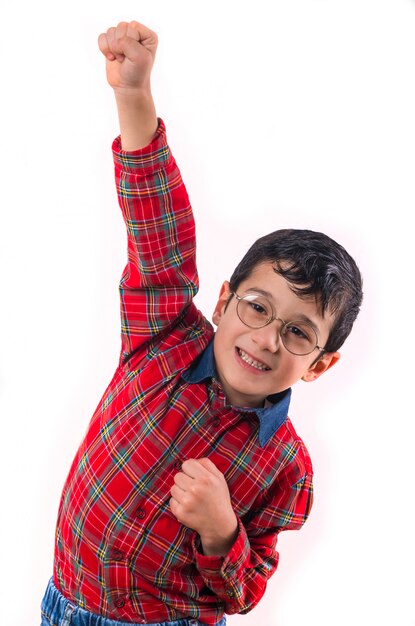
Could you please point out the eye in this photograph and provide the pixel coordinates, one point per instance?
(298, 332)
(254, 311)
(258, 308)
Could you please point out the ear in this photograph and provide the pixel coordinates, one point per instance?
(224, 294)
(322, 365)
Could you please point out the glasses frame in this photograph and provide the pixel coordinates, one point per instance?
(271, 319)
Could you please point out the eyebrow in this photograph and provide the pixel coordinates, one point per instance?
(298, 318)
(267, 294)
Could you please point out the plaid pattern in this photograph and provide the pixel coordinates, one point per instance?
(119, 551)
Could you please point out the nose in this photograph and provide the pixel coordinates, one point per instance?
(268, 337)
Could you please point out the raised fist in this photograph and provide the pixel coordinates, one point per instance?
(130, 50)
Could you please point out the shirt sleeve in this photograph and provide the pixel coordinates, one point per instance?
(160, 278)
(240, 577)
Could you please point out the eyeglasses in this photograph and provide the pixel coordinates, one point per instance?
(256, 311)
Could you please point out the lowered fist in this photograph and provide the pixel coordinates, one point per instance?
(201, 501)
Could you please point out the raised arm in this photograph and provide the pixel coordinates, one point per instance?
(130, 50)
(160, 278)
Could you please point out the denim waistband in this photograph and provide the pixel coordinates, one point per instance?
(58, 611)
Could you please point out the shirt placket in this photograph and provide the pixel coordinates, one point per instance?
(118, 566)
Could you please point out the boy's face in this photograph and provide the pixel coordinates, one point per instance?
(243, 383)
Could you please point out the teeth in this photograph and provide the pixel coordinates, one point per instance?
(247, 359)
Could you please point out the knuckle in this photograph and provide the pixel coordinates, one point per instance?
(194, 490)
(102, 42)
(135, 25)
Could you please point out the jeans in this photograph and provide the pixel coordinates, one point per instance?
(58, 611)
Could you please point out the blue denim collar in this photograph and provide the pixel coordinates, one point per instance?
(270, 418)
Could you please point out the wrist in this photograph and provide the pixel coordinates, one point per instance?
(137, 117)
(133, 95)
(219, 543)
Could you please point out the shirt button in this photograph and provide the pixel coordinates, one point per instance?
(119, 602)
(140, 513)
(117, 555)
(216, 422)
(177, 465)
(230, 592)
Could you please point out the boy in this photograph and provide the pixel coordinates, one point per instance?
(190, 466)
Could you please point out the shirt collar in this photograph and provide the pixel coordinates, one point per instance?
(270, 417)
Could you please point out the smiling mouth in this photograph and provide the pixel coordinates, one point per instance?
(252, 362)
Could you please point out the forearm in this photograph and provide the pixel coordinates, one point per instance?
(137, 117)
(238, 578)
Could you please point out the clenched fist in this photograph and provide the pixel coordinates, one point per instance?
(130, 50)
(201, 500)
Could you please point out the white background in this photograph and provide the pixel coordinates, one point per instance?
(280, 113)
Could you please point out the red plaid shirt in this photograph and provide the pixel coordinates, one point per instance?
(119, 550)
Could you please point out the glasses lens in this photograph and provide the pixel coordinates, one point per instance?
(254, 311)
(299, 338)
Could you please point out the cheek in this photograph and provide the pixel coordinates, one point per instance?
(292, 371)
(227, 328)
(222, 342)
(301, 370)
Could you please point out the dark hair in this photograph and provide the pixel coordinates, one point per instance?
(315, 266)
